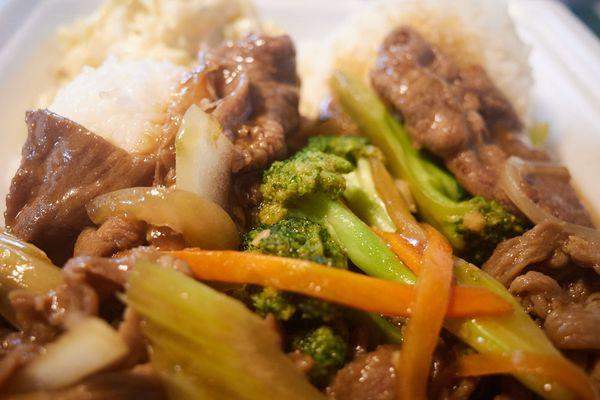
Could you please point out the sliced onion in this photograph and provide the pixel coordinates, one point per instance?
(23, 266)
(201, 222)
(91, 345)
(512, 179)
(203, 156)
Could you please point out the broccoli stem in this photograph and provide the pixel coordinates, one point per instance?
(513, 332)
(404, 160)
(366, 250)
(361, 194)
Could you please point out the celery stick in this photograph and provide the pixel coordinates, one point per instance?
(208, 345)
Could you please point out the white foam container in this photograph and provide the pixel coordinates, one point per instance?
(565, 61)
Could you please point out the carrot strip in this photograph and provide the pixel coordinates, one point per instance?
(396, 206)
(404, 249)
(331, 284)
(434, 285)
(555, 368)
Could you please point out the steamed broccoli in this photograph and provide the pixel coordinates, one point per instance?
(473, 226)
(327, 349)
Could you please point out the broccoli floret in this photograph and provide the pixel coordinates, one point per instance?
(272, 301)
(327, 349)
(301, 238)
(296, 237)
(473, 226)
(349, 147)
(305, 173)
(484, 225)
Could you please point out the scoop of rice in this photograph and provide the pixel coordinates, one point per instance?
(472, 31)
(125, 102)
(171, 30)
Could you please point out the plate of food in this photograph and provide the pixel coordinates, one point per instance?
(374, 200)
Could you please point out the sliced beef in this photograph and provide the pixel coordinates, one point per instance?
(458, 114)
(555, 193)
(262, 69)
(555, 277)
(63, 167)
(252, 88)
(575, 326)
(371, 376)
(512, 256)
(114, 235)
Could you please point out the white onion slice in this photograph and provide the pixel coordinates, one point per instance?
(511, 180)
(202, 222)
(203, 156)
(90, 346)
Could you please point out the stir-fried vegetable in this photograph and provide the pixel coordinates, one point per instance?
(88, 347)
(423, 328)
(201, 222)
(515, 332)
(326, 348)
(473, 226)
(23, 266)
(331, 284)
(203, 156)
(555, 368)
(208, 345)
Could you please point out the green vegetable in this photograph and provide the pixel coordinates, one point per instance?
(305, 173)
(296, 237)
(23, 266)
(299, 237)
(208, 345)
(473, 226)
(511, 333)
(327, 349)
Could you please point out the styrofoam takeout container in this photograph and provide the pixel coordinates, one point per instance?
(565, 61)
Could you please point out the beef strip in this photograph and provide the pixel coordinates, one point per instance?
(115, 234)
(252, 88)
(555, 277)
(371, 376)
(512, 256)
(458, 114)
(575, 326)
(63, 167)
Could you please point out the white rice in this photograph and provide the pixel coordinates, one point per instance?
(472, 31)
(125, 102)
(168, 30)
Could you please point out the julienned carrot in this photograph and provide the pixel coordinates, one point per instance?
(403, 248)
(554, 368)
(331, 284)
(422, 331)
